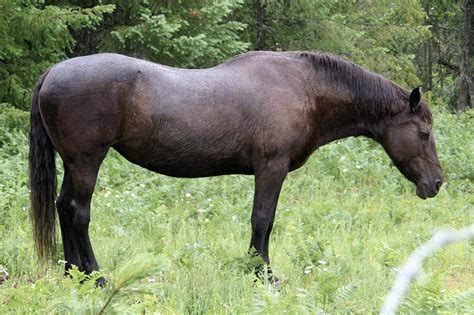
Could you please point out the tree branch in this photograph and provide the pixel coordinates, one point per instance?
(448, 65)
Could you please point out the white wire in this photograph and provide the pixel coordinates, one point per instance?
(413, 265)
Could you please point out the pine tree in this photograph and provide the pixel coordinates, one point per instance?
(35, 36)
(380, 35)
(189, 34)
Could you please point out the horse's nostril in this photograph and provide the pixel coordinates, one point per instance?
(438, 184)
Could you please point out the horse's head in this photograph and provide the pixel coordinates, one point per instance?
(409, 141)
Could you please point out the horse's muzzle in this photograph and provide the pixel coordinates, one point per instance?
(428, 189)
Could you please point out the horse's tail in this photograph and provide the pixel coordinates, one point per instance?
(42, 180)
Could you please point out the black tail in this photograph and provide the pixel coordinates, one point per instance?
(42, 180)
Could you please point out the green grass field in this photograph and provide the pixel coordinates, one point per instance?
(345, 221)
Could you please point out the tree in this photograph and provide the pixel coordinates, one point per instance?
(467, 54)
(34, 36)
(381, 35)
(445, 61)
(412, 42)
(261, 24)
(37, 34)
(186, 34)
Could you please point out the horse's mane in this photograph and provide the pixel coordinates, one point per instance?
(375, 97)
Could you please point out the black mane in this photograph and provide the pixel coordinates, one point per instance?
(375, 97)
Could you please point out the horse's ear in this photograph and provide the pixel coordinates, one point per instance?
(415, 97)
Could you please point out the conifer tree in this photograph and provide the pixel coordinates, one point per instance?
(35, 36)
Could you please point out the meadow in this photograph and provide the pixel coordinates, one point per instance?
(345, 222)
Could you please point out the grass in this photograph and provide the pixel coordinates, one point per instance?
(344, 223)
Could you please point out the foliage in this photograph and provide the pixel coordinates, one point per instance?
(34, 36)
(439, 56)
(193, 35)
(344, 222)
(381, 35)
(129, 279)
(411, 42)
(430, 297)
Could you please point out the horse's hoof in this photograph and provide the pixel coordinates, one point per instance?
(276, 283)
(271, 281)
(100, 282)
(265, 275)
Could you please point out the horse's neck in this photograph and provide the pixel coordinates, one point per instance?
(328, 136)
(343, 120)
(355, 129)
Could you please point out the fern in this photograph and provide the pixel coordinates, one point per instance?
(346, 292)
(430, 298)
(462, 302)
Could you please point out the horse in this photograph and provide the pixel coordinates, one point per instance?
(260, 113)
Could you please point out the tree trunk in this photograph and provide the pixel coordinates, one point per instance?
(465, 77)
(428, 75)
(260, 43)
(429, 64)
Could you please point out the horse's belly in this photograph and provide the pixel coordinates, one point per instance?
(187, 165)
(185, 171)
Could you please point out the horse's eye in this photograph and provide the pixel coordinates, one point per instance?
(424, 135)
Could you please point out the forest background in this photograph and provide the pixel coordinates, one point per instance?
(425, 42)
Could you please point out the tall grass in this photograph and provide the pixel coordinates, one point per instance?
(344, 223)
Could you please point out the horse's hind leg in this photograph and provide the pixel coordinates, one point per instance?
(71, 253)
(82, 175)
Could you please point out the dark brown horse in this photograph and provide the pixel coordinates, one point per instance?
(261, 113)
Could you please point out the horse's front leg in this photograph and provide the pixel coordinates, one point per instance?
(268, 181)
